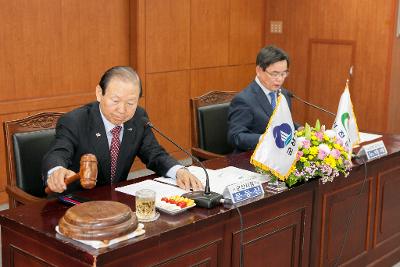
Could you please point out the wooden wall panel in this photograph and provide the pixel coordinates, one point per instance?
(106, 39)
(394, 107)
(370, 92)
(325, 82)
(231, 78)
(369, 25)
(167, 35)
(168, 107)
(48, 103)
(246, 30)
(349, 22)
(209, 42)
(30, 41)
(60, 47)
(138, 39)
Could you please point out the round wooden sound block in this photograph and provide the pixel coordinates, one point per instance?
(98, 220)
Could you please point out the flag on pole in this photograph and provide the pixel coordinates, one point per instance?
(345, 124)
(277, 149)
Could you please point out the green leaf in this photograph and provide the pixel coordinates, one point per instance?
(317, 126)
(291, 180)
(307, 131)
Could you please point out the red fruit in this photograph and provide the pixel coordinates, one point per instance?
(181, 204)
(172, 201)
(164, 199)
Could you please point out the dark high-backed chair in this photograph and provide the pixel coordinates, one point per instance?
(209, 121)
(27, 140)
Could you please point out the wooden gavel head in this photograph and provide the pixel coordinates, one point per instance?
(88, 171)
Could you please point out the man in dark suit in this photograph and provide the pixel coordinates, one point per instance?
(113, 129)
(251, 109)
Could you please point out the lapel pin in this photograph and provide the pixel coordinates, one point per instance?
(98, 134)
(129, 129)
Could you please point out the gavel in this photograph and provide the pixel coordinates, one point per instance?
(87, 173)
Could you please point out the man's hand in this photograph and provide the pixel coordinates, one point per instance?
(187, 181)
(55, 181)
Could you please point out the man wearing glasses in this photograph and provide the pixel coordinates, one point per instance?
(251, 109)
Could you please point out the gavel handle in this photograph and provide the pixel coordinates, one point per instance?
(67, 181)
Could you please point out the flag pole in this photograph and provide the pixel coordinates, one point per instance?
(349, 77)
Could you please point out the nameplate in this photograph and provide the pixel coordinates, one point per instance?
(243, 190)
(373, 151)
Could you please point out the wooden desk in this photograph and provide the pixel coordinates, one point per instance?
(301, 227)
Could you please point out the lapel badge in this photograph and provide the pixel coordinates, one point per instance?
(98, 135)
(129, 129)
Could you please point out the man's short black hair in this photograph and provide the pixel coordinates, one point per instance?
(122, 72)
(270, 55)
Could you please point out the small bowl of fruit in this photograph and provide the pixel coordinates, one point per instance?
(174, 204)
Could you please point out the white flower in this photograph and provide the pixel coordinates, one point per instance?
(330, 133)
(324, 148)
(299, 141)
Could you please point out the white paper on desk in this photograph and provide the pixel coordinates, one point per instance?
(162, 190)
(196, 171)
(365, 137)
(221, 178)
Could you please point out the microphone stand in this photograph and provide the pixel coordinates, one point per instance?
(204, 199)
(310, 104)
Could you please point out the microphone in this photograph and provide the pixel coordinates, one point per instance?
(310, 104)
(204, 199)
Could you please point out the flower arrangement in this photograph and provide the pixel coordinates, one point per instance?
(321, 155)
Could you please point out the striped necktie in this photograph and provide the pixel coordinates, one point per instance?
(114, 149)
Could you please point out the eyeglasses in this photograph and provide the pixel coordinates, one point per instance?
(276, 75)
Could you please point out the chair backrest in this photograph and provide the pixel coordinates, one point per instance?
(210, 121)
(27, 140)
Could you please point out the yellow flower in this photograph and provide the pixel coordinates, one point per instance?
(338, 147)
(313, 150)
(310, 157)
(303, 159)
(330, 161)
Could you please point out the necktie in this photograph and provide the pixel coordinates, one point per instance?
(273, 99)
(114, 149)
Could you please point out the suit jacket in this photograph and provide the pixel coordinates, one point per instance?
(82, 131)
(248, 116)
